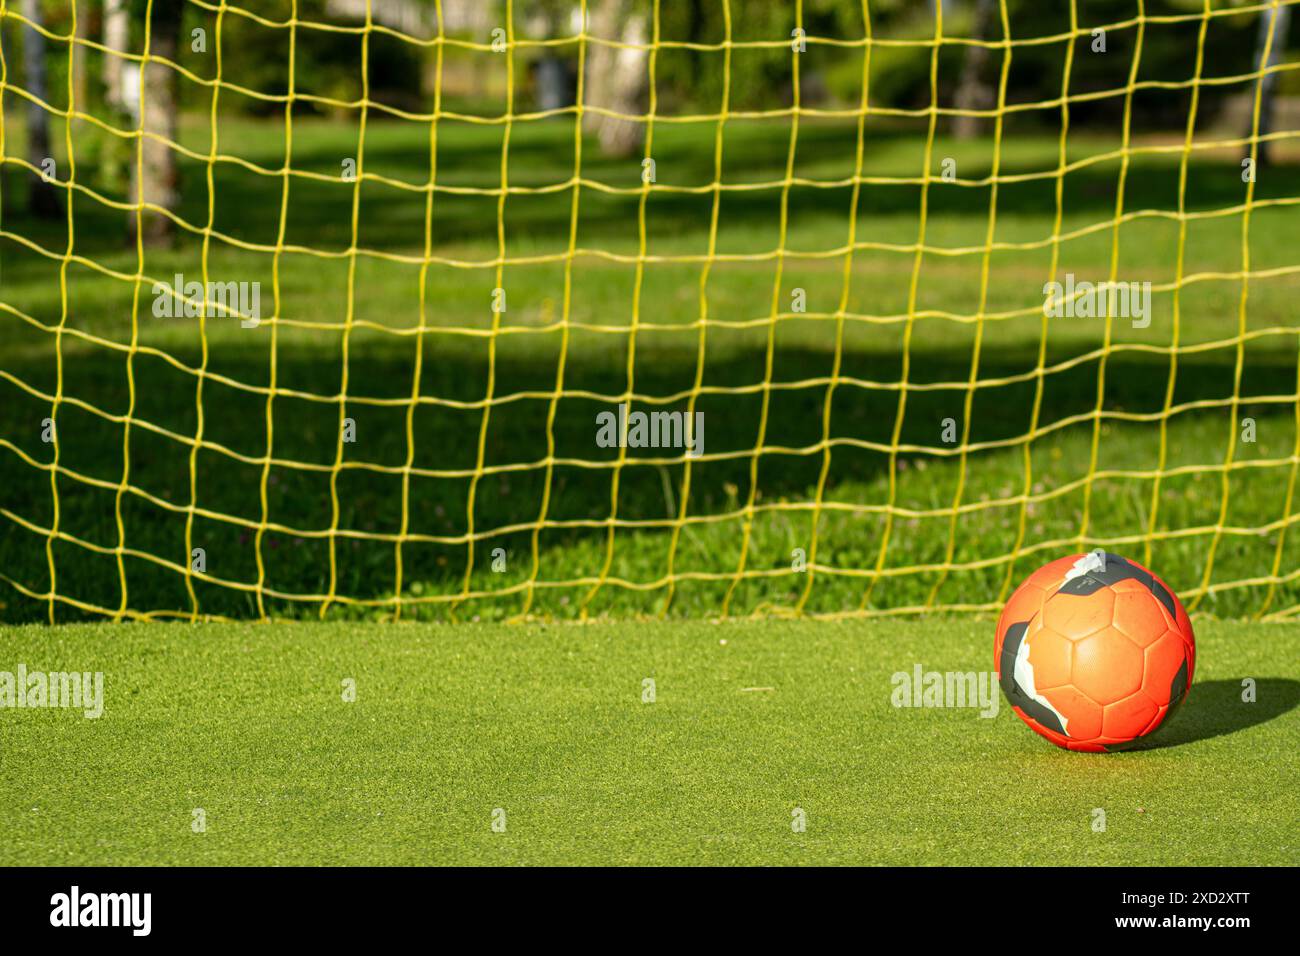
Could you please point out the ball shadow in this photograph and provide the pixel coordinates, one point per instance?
(1215, 709)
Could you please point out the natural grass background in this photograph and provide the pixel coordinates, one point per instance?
(751, 721)
(574, 544)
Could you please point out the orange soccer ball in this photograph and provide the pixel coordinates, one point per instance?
(1094, 651)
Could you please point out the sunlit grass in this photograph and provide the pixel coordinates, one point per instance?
(663, 743)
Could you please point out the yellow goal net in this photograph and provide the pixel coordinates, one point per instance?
(482, 311)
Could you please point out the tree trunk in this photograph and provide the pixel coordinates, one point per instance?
(116, 34)
(1268, 82)
(156, 178)
(617, 78)
(552, 83)
(695, 34)
(79, 58)
(41, 198)
(974, 92)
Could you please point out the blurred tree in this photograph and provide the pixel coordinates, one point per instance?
(116, 31)
(41, 198)
(1276, 20)
(78, 59)
(155, 177)
(974, 89)
(690, 78)
(327, 63)
(1167, 54)
(617, 76)
(552, 83)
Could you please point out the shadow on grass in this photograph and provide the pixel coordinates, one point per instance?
(518, 438)
(1215, 709)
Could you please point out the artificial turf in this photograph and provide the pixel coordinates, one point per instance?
(750, 722)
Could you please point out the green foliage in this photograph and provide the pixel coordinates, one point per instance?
(327, 63)
(900, 75)
(760, 77)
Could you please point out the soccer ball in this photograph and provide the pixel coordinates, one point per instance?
(1094, 651)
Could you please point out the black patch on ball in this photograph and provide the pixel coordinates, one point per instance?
(1007, 663)
(1177, 689)
(1119, 569)
(1016, 694)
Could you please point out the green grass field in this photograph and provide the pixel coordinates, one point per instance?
(750, 722)
(707, 562)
